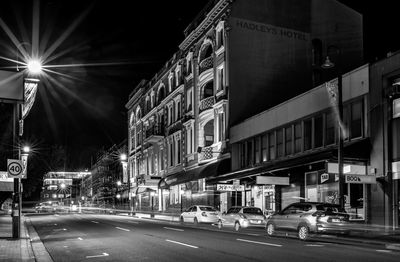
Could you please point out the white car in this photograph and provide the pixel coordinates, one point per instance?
(200, 214)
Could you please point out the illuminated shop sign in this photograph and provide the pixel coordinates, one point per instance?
(357, 179)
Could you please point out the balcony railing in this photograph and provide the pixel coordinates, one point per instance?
(153, 131)
(174, 127)
(206, 153)
(206, 103)
(205, 64)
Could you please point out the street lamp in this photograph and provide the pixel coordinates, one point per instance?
(34, 66)
(328, 65)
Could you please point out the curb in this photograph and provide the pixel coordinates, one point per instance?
(39, 250)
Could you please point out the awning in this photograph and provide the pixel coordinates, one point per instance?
(203, 171)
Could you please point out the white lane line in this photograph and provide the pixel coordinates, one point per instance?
(176, 229)
(383, 251)
(102, 255)
(179, 243)
(314, 245)
(94, 222)
(80, 238)
(120, 228)
(261, 243)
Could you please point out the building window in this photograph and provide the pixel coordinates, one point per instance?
(307, 134)
(249, 155)
(396, 108)
(257, 145)
(264, 151)
(220, 78)
(345, 120)
(189, 64)
(178, 150)
(178, 110)
(279, 143)
(221, 127)
(330, 128)
(161, 159)
(288, 140)
(318, 131)
(356, 119)
(171, 154)
(242, 154)
(297, 137)
(271, 145)
(189, 99)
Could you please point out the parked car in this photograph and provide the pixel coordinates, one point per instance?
(200, 214)
(306, 218)
(242, 217)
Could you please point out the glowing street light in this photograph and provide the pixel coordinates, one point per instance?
(119, 183)
(123, 157)
(26, 149)
(63, 186)
(34, 66)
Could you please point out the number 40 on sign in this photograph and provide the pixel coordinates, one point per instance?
(15, 168)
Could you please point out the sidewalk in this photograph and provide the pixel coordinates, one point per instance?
(23, 249)
(388, 239)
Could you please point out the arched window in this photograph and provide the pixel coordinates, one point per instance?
(209, 133)
(160, 94)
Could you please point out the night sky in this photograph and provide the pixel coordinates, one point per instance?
(83, 108)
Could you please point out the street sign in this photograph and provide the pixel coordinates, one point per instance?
(360, 179)
(15, 168)
(229, 187)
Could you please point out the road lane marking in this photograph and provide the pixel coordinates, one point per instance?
(314, 245)
(176, 229)
(261, 243)
(102, 255)
(57, 215)
(94, 222)
(383, 251)
(80, 238)
(120, 228)
(179, 243)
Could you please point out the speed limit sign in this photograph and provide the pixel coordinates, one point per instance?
(15, 168)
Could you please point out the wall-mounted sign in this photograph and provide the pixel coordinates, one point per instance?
(272, 180)
(229, 187)
(360, 179)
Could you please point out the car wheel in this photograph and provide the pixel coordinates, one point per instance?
(195, 222)
(237, 226)
(303, 232)
(181, 220)
(220, 224)
(270, 229)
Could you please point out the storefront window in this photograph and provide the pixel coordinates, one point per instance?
(279, 142)
(396, 108)
(264, 147)
(307, 134)
(271, 144)
(297, 138)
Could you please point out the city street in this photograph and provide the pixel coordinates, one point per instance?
(85, 237)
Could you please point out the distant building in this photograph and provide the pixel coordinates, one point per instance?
(107, 185)
(62, 186)
(238, 59)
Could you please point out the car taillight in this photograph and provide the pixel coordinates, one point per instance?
(204, 214)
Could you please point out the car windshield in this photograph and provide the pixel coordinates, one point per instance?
(252, 210)
(207, 209)
(329, 208)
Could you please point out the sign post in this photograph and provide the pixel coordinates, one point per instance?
(15, 169)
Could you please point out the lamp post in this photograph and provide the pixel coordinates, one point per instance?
(124, 161)
(328, 65)
(34, 67)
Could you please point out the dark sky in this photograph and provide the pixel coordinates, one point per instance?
(84, 108)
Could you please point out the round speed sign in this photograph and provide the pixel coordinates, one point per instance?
(14, 168)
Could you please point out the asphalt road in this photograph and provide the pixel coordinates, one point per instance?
(93, 237)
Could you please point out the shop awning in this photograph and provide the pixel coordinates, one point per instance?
(203, 171)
